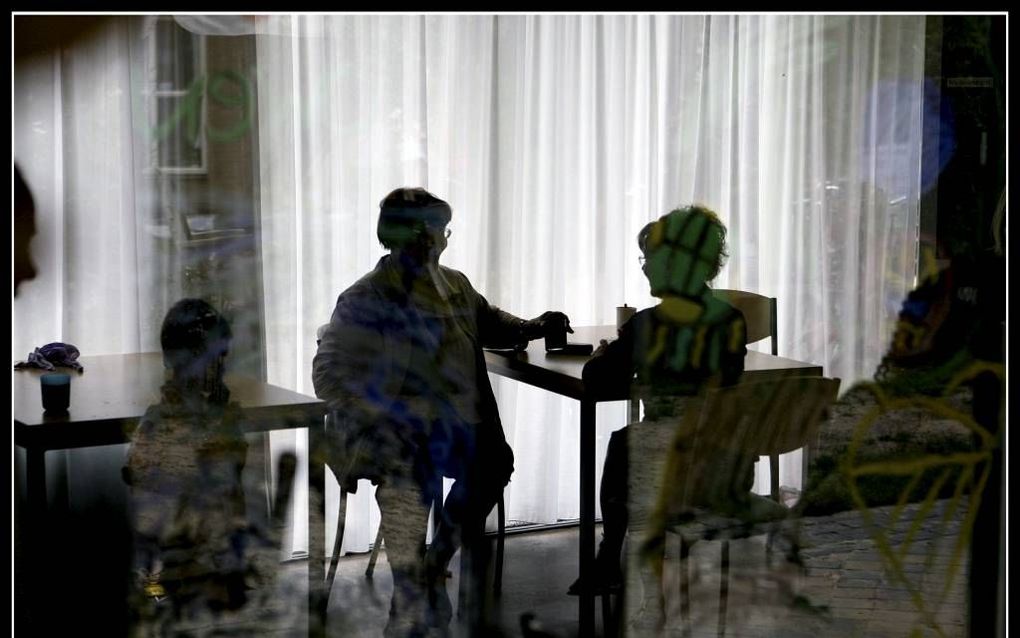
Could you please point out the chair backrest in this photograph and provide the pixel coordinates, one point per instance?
(711, 458)
(759, 314)
(775, 417)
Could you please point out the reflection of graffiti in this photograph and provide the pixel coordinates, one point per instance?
(219, 89)
(219, 93)
(970, 469)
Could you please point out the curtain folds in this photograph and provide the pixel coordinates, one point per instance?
(555, 139)
(77, 142)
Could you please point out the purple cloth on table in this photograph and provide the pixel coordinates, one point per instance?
(52, 355)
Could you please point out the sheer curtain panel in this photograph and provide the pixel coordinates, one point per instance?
(555, 139)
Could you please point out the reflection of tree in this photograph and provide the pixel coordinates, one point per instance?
(205, 279)
(224, 273)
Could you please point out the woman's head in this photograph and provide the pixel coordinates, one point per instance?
(195, 339)
(413, 220)
(684, 250)
(24, 230)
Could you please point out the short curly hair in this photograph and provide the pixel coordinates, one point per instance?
(694, 228)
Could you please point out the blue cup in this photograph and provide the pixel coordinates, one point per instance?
(56, 391)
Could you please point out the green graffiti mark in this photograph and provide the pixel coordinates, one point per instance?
(218, 89)
(219, 92)
(188, 112)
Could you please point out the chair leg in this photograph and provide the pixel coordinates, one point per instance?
(607, 615)
(469, 600)
(685, 585)
(437, 511)
(497, 584)
(774, 478)
(375, 554)
(774, 493)
(724, 585)
(341, 520)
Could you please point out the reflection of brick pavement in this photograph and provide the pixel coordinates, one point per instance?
(845, 588)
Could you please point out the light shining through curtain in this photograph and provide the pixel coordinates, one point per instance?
(555, 139)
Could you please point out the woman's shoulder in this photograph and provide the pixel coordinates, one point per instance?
(458, 281)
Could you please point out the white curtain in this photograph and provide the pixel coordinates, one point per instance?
(555, 139)
(76, 143)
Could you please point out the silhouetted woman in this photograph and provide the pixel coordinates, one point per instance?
(687, 343)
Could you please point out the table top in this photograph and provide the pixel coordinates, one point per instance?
(561, 374)
(115, 391)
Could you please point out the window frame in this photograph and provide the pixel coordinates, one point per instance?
(154, 94)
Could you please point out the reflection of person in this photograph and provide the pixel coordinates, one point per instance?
(950, 334)
(24, 230)
(686, 343)
(402, 369)
(24, 270)
(184, 468)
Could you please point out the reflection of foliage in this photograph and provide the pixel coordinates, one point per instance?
(961, 472)
(204, 279)
(829, 491)
(200, 274)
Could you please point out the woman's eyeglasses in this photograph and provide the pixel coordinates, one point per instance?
(446, 232)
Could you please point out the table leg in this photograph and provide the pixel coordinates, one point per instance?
(318, 597)
(586, 562)
(34, 563)
(36, 487)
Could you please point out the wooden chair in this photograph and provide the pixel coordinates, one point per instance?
(760, 317)
(705, 492)
(348, 485)
(759, 314)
